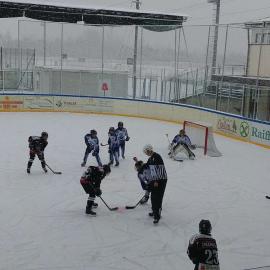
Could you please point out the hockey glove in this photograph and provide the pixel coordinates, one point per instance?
(193, 146)
(98, 192)
(127, 139)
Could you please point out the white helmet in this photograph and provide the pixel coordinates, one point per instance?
(147, 148)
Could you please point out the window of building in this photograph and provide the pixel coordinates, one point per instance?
(257, 38)
(268, 38)
(264, 38)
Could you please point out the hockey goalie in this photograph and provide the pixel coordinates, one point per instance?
(181, 143)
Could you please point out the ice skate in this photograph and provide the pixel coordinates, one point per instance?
(89, 211)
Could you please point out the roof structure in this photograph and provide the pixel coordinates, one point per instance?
(264, 22)
(50, 11)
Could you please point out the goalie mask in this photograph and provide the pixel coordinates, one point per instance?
(182, 132)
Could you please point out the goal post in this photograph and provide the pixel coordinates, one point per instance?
(201, 134)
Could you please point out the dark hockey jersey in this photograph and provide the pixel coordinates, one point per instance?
(202, 249)
(93, 175)
(37, 143)
(155, 159)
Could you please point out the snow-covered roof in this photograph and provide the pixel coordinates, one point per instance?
(81, 6)
(72, 13)
(259, 23)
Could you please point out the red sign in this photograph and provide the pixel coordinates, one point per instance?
(105, 87)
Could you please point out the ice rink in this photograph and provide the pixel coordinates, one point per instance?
(43, 225)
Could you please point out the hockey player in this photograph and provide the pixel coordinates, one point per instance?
(37, 145)
(122, 136)
(181, 143)
(90, 182)
(144, 181)
(157, 177)
(202, 249)
(113, 147)
(92, 145)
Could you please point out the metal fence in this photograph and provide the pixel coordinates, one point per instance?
(172, 66)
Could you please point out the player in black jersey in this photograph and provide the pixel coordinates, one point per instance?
(90, 182)
(202, 248)
(37, 145)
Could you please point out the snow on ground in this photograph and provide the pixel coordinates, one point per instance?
(43, 225)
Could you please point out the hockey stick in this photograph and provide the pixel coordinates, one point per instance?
(110, 208)
(134, 206)
(52, 169)
(168, 138)
(104, 144)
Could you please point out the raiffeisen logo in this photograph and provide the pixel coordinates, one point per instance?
(262, 134)
(244, 129)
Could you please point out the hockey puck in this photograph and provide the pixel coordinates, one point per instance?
(267, 197)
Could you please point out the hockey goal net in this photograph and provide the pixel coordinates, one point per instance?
(201, 134)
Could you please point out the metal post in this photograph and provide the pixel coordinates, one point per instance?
(141, 62)
(206, 62)
(2, 72)
(215, 42)
(19, 54)
(61, 58)
(135, 54)
(175, 61)
(44, 43)
(102, 58)
(255, 112)
(223, 65)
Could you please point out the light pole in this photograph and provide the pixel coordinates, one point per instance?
(135, 54)
(215, 37)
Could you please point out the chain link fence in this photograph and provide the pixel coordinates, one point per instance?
(173, 66)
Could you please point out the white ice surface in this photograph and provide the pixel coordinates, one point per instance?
(43, 225)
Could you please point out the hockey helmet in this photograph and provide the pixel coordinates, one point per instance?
(120, 124)
(93, 132)
(44, 135)
(138, 165)
(111, 130)
(106, 169)
(148, 148)
(205, 226)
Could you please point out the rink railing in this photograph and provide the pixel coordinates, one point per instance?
(254, 131)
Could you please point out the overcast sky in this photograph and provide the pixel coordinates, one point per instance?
(200, 11)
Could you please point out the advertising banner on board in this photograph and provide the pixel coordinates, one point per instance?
(11, 103)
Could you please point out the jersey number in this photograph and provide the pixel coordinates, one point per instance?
(212, 256)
